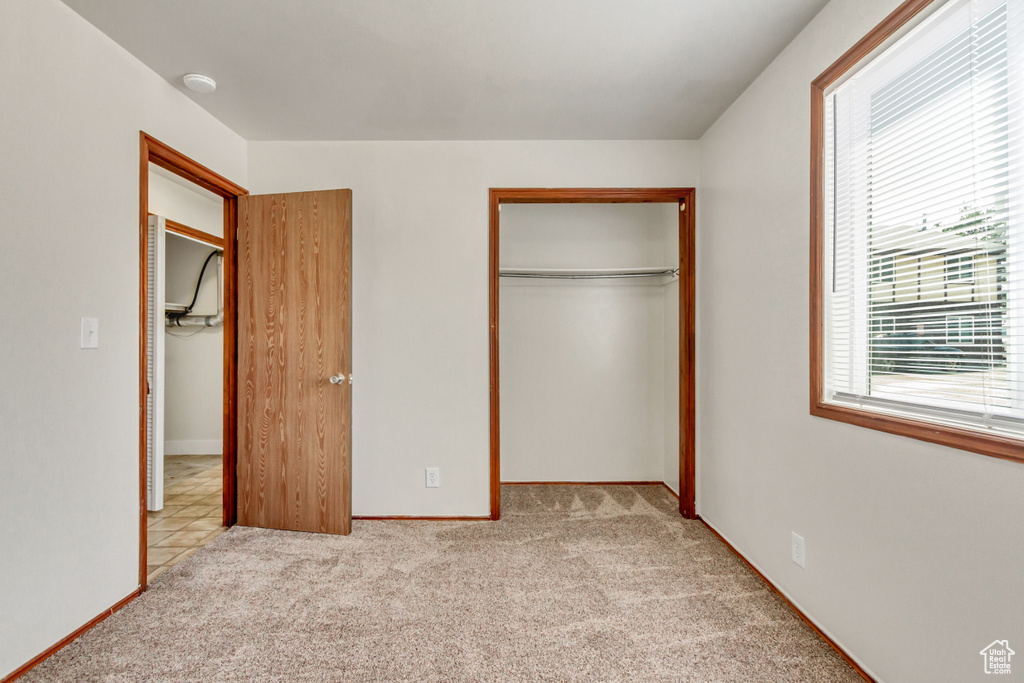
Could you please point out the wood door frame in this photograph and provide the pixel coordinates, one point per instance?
(685, 197)
(156, 152)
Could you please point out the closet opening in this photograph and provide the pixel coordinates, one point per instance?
(595, 341)
(187, 341)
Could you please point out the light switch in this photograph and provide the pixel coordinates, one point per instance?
(90, 333)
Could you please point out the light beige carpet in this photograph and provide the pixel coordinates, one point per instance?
(575, 583)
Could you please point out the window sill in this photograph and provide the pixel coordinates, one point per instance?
(1005, 448)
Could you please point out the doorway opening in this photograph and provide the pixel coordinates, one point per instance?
(557, 325)
(187, 351)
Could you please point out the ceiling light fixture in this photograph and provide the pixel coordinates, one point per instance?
(200, 83)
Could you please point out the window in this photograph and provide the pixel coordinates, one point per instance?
(918, 228)
(959, 329)
(882, 269)
(960, 268)
(883, 325)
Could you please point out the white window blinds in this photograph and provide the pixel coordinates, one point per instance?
(923, 232)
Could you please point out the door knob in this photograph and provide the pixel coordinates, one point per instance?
(338, 379)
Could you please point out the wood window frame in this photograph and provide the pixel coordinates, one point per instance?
(687, 312)
(1003, 447)
(156, 152)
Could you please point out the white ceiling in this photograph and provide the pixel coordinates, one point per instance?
(458, 69)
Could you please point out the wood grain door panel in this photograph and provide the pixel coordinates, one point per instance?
(294, 333)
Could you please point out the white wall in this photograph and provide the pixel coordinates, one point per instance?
(72, 109)
(194, 357)
(173, 197)
(583, 362)
(420, 316)
(670, 377)
(914, 551)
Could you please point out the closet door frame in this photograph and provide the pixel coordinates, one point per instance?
(684, 197)
(164, 156)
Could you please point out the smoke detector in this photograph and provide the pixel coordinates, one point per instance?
(200, 83)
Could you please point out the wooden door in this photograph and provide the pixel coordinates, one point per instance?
(294, 344)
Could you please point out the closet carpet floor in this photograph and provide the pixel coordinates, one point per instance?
(575, 583)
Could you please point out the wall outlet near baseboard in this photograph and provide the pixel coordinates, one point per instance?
(433, 478)
(798, 549)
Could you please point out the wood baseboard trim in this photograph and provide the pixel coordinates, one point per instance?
(674, 494)
(584, 483)
(416, 518)
(53, 649)
(807, 620)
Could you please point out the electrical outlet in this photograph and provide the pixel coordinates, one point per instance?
(433, 478)
(798, 549)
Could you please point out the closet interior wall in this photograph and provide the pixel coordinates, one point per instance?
(589, 367)
(194, 360)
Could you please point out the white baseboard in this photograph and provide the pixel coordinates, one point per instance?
(194, 447)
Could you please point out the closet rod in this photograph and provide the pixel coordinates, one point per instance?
(589, 274)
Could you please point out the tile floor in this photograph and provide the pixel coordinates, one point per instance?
(191, 517)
